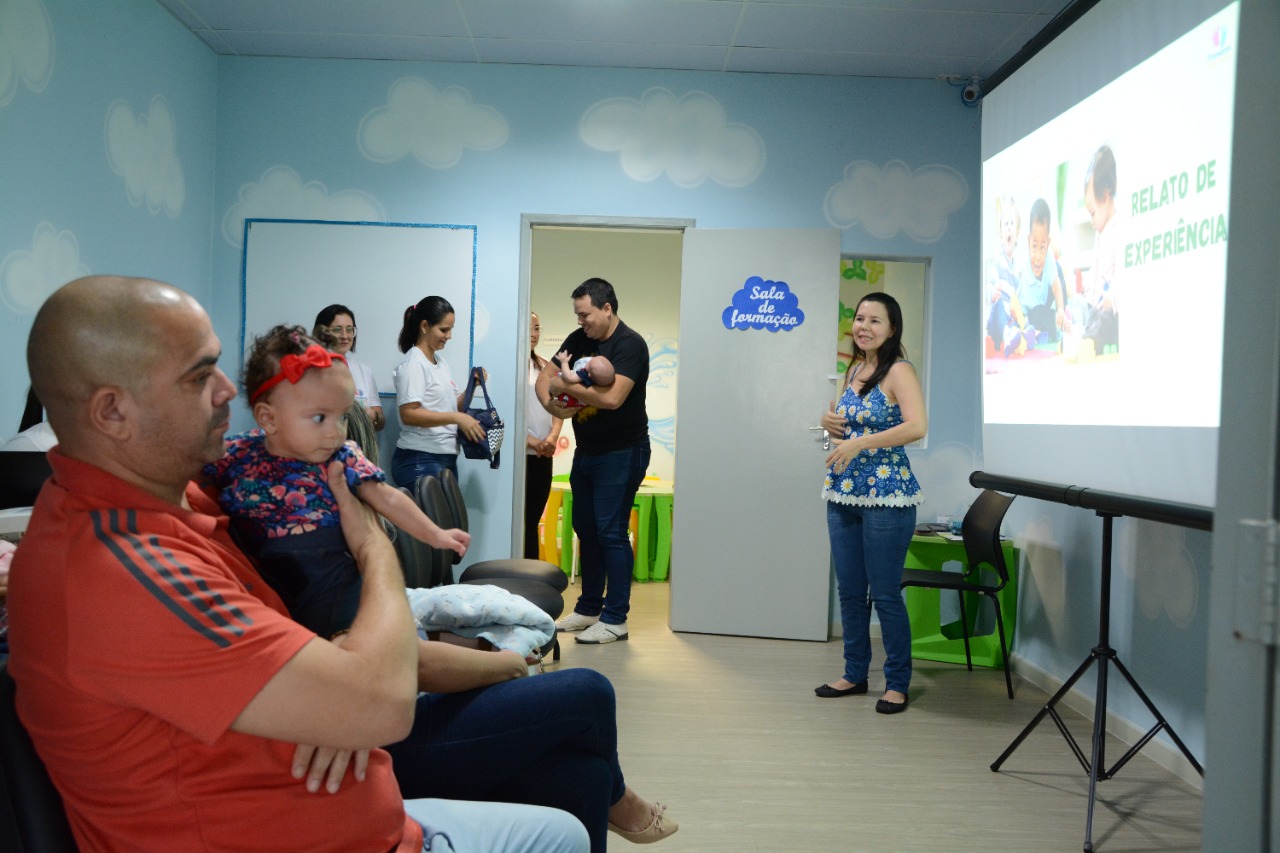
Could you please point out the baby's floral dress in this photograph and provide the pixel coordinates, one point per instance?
(276, 496)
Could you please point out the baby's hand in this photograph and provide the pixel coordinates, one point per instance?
(454, 540)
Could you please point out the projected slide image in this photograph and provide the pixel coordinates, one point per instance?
(1046, 297)
(1104, 248)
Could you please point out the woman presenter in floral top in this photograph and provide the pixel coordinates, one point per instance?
(871, 498)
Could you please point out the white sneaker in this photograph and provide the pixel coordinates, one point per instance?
(576, 622)
(603, 632)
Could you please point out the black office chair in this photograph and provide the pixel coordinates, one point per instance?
(514, 568)
(981, 532)
(32, 817)
(22, 474)
(423, 566)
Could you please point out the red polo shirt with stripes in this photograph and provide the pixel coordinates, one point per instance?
(138, 634)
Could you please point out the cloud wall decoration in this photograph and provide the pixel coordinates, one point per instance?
(689, 138)
(26, 47)
(434, 125)
(27, 278)
(281, 194)
(888, 200)
(141, 150)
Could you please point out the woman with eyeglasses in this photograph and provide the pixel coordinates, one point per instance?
(340, 322)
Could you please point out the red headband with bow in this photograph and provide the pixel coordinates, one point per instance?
(293, 366)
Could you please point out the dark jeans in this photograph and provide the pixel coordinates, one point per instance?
(604, 488)
(546, 740)
(408, 465)
(537, 486)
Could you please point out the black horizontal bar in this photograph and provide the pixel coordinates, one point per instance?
(1110, 503)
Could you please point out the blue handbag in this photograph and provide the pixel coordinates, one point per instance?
(490, 421)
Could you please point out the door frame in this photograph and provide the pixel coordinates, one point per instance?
(528, 221)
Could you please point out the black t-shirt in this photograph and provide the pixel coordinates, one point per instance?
(605, 430)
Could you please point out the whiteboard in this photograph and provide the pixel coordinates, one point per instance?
(293, 268)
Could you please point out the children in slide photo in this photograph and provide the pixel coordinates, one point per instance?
(1096, 311)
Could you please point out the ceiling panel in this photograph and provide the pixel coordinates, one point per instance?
(602, 54)
(923, 39)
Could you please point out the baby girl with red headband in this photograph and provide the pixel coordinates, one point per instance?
(273, 480)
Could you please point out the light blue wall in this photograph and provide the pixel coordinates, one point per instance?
(296, 122)
(64, 211)
(305, 115)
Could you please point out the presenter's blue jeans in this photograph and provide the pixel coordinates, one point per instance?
(545, 740)
(604, 488)
(868, 549)
(408, 465)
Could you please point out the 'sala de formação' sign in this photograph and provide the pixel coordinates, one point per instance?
(762, 304)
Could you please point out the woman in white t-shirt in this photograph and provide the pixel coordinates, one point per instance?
(428, 399)
(542, 432)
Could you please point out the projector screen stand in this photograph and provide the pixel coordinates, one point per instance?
(1104, 656)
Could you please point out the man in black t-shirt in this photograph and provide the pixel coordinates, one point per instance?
(612, 456)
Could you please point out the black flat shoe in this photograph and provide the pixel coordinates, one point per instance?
(826, 691)
(884, 706)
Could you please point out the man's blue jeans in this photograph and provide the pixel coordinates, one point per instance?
(604, 488)
(868, 549)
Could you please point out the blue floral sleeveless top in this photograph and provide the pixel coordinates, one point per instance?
(880, 477)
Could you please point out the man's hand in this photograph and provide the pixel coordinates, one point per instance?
(327, 765)
(558, 411)
(363, 532)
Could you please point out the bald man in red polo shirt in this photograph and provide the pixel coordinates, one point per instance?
(160, 678)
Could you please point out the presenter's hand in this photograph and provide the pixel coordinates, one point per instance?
(844, 453)
(833, 423)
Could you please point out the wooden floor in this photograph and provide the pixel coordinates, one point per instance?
(728, 733)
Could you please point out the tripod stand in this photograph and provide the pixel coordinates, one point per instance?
(1104, 656)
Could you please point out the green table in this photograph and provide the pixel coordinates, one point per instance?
(932, 640)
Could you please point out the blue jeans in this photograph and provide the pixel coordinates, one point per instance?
(408, 465)
(868, 549)
(604, 488)
(545, 740)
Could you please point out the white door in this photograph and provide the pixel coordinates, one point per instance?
(749, 544)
